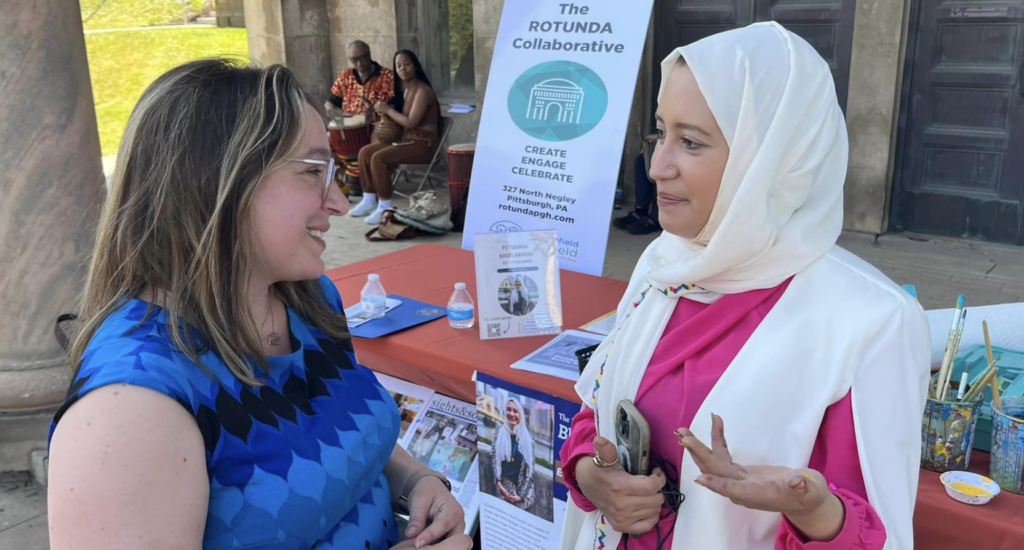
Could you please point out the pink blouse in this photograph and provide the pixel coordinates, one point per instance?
(697, 346)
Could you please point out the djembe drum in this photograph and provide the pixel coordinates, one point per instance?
(460, 168)
(348, 135)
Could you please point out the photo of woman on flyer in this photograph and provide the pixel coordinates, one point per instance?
(513, 473)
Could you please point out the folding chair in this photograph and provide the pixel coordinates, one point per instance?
(439, 159)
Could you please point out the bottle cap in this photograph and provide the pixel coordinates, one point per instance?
(460, 286)
(373, 277)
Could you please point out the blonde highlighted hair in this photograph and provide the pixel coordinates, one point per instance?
(176, 222)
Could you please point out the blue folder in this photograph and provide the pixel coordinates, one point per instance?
(411, 313)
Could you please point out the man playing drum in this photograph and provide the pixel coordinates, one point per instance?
(355, 92)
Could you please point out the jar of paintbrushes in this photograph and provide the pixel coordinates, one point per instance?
(1007, 466)
(951, 412)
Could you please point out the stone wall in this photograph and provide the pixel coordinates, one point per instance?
(230, 13)
(372, 21)
(295, 33)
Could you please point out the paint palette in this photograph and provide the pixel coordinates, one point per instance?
(969, 488)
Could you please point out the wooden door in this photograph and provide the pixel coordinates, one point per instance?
(825, 24)
(960, 161)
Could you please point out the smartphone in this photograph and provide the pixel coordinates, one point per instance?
(399, 143)
(632, 438)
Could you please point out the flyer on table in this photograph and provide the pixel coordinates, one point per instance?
(518, 286)
(440, 432)
(520, 433)
(549, 149)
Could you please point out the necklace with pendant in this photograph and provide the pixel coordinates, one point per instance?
(274, 339)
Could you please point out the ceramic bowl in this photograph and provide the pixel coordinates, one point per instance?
(969, 488)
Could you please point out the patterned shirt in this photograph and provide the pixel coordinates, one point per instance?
(297, 463)
(348, 89)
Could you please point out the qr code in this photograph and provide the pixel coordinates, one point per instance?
(494, 330)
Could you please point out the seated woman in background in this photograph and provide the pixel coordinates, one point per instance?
(417, 111)
(217, 402)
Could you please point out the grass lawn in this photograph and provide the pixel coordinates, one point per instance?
(123, 64)
(111, 14)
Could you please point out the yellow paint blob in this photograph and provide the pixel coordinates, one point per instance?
(969, 489)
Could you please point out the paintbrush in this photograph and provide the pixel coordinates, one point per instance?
(980, 384)
(997, 403)
(952, 356)
(946, 360)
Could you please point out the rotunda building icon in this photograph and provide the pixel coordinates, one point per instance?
(556, 100)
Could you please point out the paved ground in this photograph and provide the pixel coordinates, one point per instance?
(940, 268)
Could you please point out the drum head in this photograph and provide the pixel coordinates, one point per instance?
(463, 147)
(354, 121)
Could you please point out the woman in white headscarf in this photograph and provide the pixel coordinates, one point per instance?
(745, 313)
(513, 457)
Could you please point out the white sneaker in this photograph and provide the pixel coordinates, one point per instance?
(374, 219)
(364, 208)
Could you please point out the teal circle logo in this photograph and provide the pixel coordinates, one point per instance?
(558, 101)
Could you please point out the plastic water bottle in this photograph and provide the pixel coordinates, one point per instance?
(460, 308)
(373, 299)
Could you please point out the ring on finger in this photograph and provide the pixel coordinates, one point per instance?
(601, 462)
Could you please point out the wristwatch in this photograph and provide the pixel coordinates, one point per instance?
(403, 501)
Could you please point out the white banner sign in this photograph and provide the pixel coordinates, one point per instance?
(558, 97)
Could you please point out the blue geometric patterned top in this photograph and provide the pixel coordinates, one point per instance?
(296, 463)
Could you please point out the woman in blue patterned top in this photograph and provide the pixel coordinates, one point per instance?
(217, 402)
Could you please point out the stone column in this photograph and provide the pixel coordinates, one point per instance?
(486, 18)
(872, 111)
(421, 26)
(294, 33)
(52, 186)
(373, 22)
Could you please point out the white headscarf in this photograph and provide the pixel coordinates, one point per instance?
(503, 441)
(780, 204)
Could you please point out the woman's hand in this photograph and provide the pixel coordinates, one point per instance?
(434, 514)
(632, 504)
(507, 495)
(381, 108)
(802, 494)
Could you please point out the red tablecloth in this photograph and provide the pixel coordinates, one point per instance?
(941, 522)
(443, 358)
(440, 357)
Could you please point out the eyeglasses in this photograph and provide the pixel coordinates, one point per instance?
(328, 176)
(354, 60)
